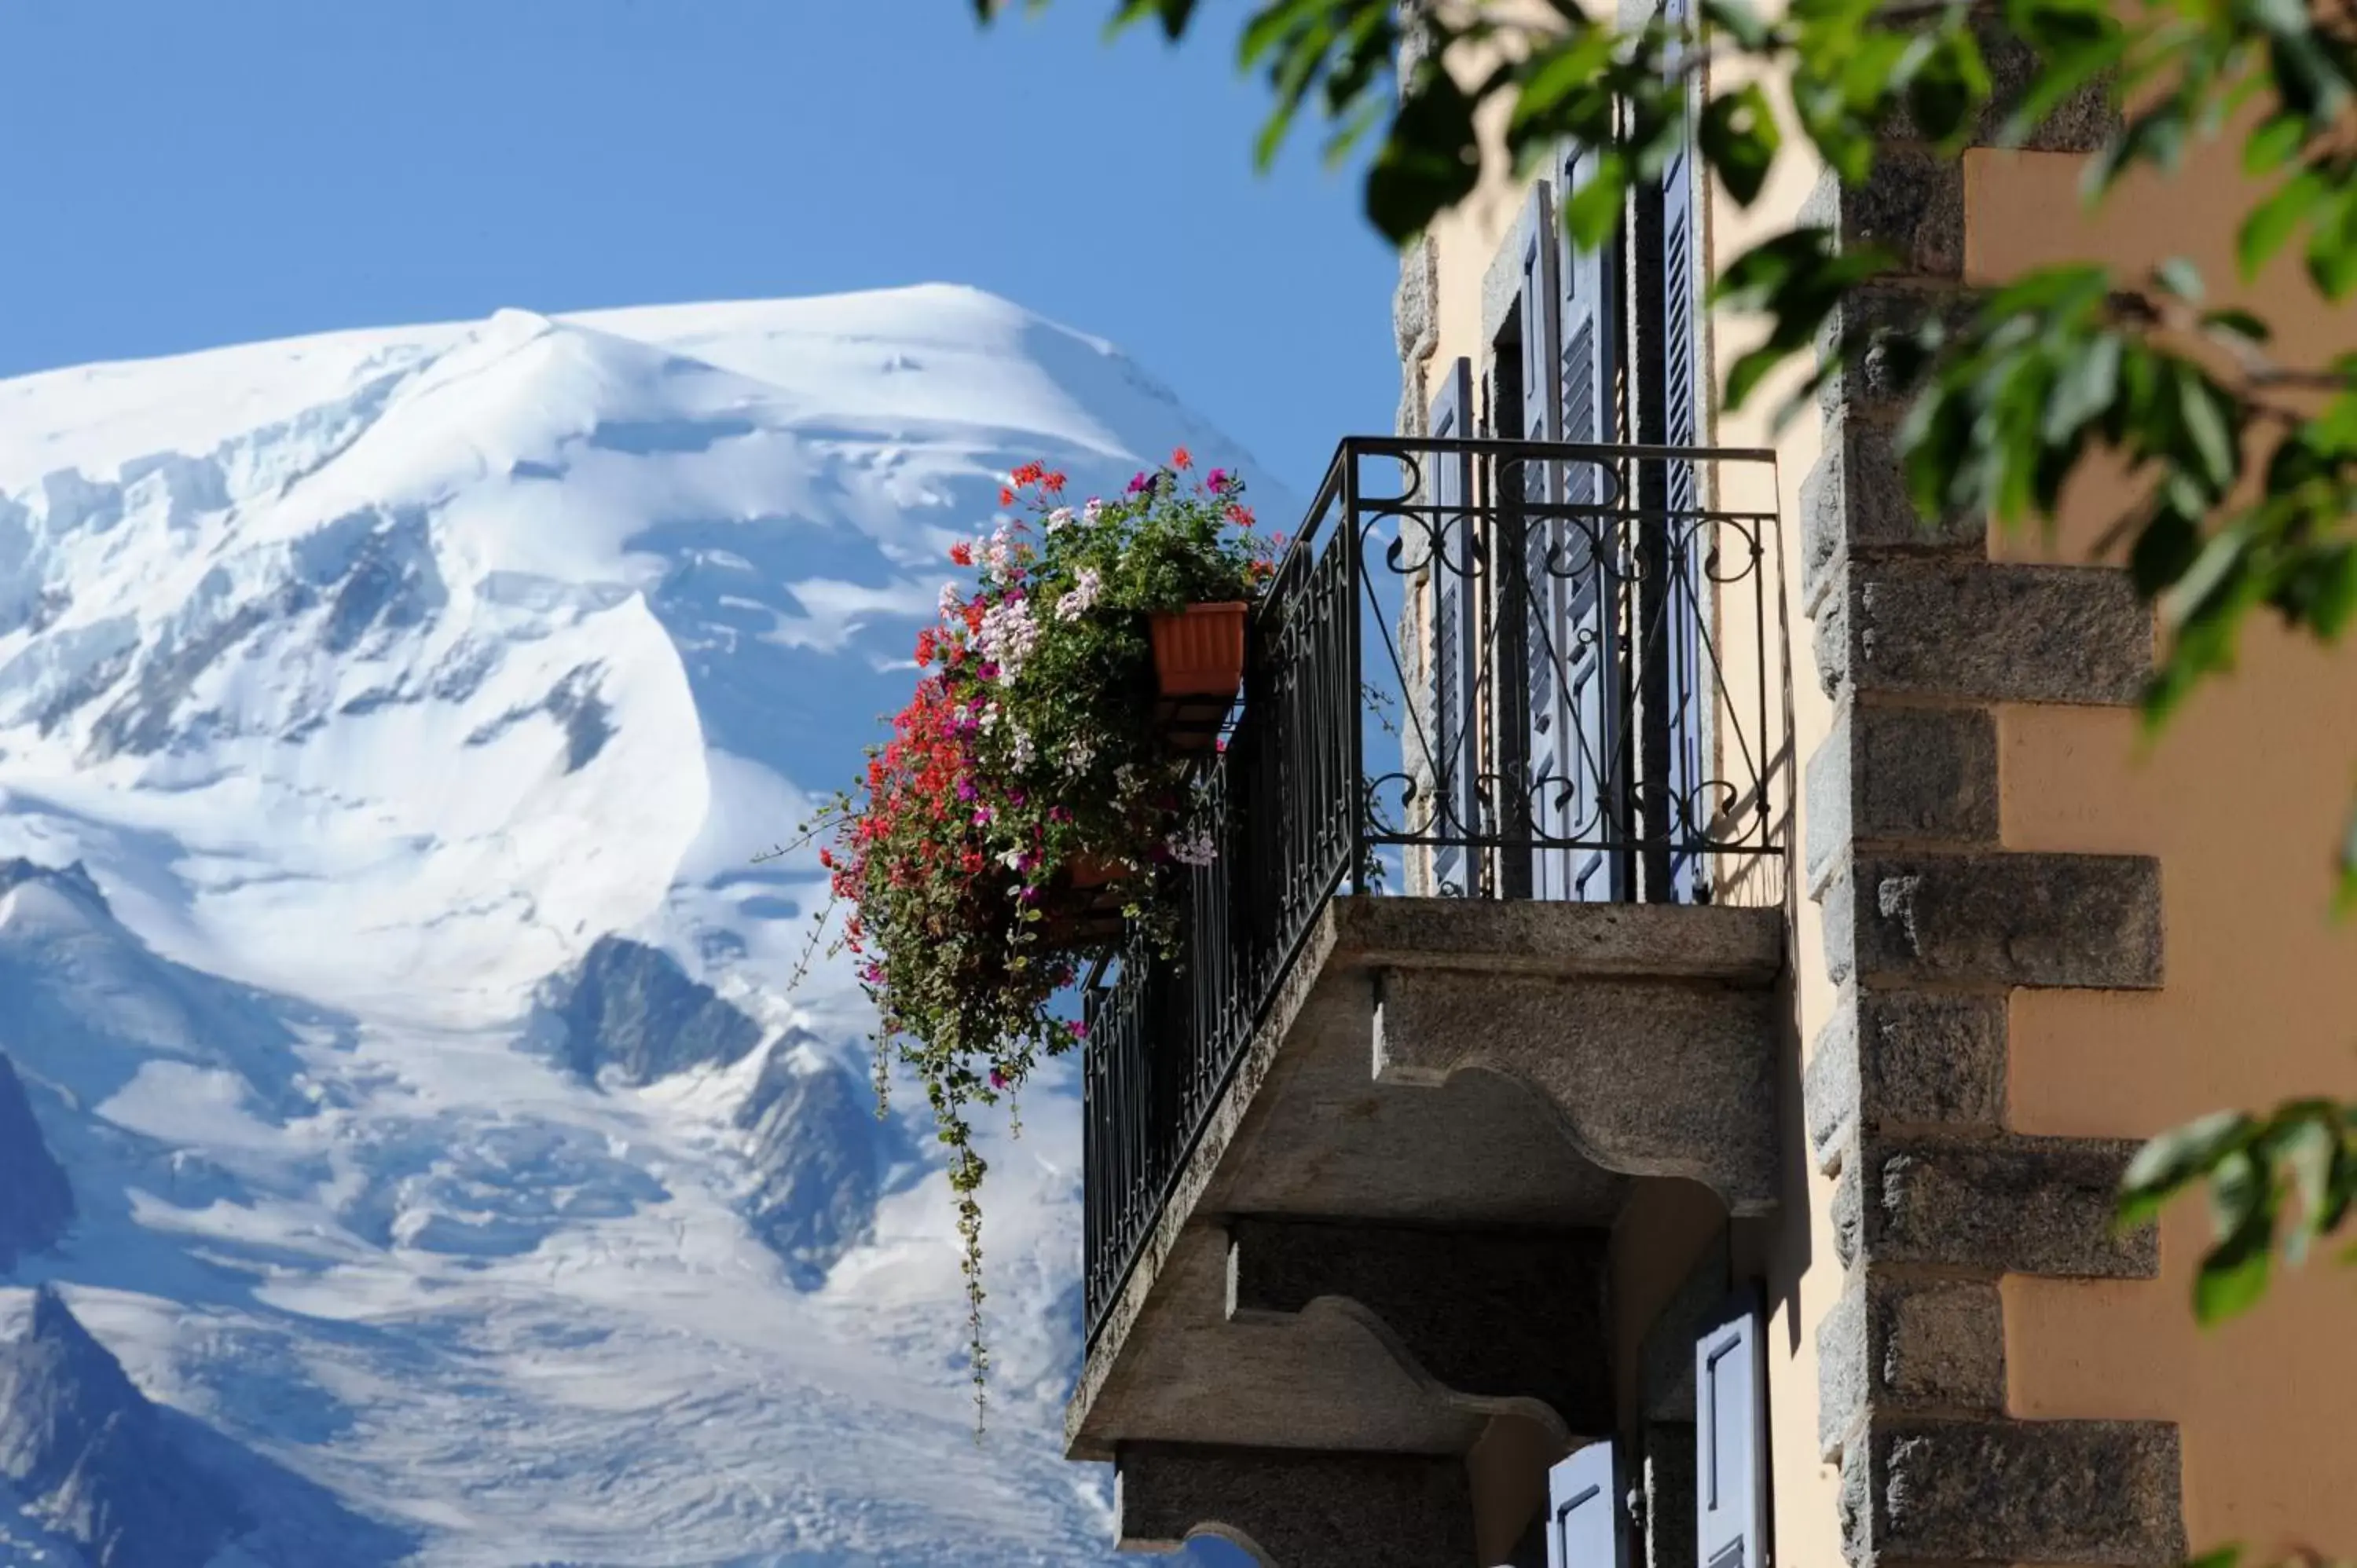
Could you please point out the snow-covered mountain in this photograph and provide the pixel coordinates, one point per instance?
(401, 1112)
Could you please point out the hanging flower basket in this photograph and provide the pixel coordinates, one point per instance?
(1032, 810)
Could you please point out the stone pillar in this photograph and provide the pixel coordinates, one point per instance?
(1930, 923)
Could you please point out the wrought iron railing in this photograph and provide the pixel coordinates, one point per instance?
(1508, 670)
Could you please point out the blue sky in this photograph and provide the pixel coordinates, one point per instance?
(182, 174)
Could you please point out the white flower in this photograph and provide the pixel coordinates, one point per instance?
(1059, 517)
(1193, 849)
(949, 600)
(1020, 750)
(1077, 603)
(1089, 512)
(1079, 755)
(1006, 635)
(1012, 860)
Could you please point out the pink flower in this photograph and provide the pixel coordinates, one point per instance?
(1138, 483)
(1081, 1030)
(998, 1079)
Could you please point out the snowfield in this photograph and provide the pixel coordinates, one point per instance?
(389, 721)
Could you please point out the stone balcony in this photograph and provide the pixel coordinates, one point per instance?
(1393, 1196)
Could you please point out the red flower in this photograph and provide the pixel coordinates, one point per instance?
(1182, 458)
(1006, 496)
(826, 858)
(1053, 484)
(925, 643)
(962, 553)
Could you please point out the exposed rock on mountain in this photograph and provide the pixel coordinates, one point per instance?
(823, 1157)
(36, 1203)
(631, 1007)
(92, 1456)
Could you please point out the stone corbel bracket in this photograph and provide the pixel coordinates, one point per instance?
(1504, 1323)
(1648, 1077)
(1294, 1508)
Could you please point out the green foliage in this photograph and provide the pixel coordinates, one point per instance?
(2306, 1149)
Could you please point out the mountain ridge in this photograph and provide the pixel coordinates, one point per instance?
(415, 1035)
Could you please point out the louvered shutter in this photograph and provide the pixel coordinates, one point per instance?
(1689, 540)
(1456, 769)
(1588, 1524)
(1539, 617)
(1731, 1442)
(1588, 558)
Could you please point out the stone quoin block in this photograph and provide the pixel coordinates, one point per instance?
(1899, 1059)
(2027, 1206)
(1996, 920)
(1909, 775)
(1853, 502)
(2003, 1491)
(1892, 1346)
(1985, 632)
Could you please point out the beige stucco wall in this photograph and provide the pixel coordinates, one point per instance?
(2242, 799)
(1804, 1277)
(1795, 1254)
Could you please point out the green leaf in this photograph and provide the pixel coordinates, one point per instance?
(2236, 325)
(2204, 410)
(1429, 163)
(2164, 551)
(1594, 210)
(2234, 1274)
(2310, 1149)
(2220, 1557)
(2166, 1165)
(2088, 384)
(1739, 22)
(1738, 135)
(2180, 277)
(1749, 371)
(2271, 223)
(2274, 144)
(2332, 244)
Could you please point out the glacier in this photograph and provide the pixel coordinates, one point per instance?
(414, 1148)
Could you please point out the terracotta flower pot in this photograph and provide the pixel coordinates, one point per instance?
(1198, 662)
(1199, 651)
(1088, 871)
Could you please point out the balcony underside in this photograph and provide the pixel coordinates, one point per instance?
(1395, 1225)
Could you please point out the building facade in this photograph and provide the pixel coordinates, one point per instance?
(1693, 949)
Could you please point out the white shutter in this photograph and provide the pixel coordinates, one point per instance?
(1588, 1522)
(1731, 1442)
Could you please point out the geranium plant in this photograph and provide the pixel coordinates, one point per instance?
(1026, 781)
